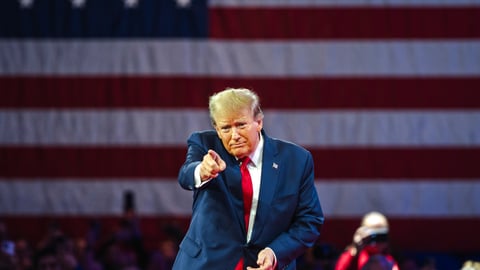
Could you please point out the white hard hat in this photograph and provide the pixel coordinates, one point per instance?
(375, 220)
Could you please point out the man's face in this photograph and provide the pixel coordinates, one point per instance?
(239, 132)
(376, 248)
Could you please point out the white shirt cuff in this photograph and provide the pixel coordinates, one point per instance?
(198, 180)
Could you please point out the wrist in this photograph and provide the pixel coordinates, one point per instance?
(274, 263)
(353, 251)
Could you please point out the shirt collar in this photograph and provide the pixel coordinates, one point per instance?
(256, 156)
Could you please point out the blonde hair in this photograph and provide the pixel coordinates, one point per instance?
(234, 99)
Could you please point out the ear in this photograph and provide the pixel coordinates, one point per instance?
(259, 124)
(218, 131)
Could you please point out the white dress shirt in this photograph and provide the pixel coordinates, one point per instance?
(255, 169)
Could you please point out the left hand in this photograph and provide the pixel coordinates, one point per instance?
(265, 261)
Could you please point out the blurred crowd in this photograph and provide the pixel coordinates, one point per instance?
(124, 249)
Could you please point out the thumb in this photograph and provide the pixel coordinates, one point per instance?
(221, 164)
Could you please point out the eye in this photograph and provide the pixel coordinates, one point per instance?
(241, 125)
(225, 129)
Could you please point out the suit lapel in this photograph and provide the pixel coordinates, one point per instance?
(270, 169)
(233, 181)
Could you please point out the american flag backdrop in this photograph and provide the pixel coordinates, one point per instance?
(98, 98)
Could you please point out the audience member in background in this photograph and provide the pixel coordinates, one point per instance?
(46, 259)
(408, 263)
(163, 256)
(7, 249)
(471, 265)
(124, 249)
(378, 262)
(429, 263)
(318, 257)
(23, 254)
(164, 253)
(6, 261)
(85, 255)
(370, 239)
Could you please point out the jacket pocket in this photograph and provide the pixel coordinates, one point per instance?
(190, 247)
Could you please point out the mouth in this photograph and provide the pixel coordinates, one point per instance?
(237, 145)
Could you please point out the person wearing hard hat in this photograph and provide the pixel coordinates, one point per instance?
(370, 241)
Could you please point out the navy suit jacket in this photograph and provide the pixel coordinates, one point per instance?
(288, 218)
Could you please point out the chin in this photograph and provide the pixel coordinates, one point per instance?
(239, 153)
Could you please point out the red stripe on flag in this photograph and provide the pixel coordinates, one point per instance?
(287, 93)
(368, 163)
(413, 233)
(344, 22)
(406, 234)
(98, 162)
(159, 162)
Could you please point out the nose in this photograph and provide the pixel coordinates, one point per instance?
(235, 133)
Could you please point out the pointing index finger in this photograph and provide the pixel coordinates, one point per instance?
(218, 160)
(213, 154)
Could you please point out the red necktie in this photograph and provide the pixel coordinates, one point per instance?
(247, 190)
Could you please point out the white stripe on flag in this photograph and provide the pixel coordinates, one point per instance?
(252, 58)
(165, 197)
(172, 127)
(92, 197)
(425, 198)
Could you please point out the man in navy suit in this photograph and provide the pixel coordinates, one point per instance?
(285, 213)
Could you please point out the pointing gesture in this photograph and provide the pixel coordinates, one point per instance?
(212, 164)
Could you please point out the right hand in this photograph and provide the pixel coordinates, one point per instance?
(358, 237)
(212, 164)
(360, 234)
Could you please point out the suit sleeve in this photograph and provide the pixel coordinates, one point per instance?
(305, 227)
(195, 153)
